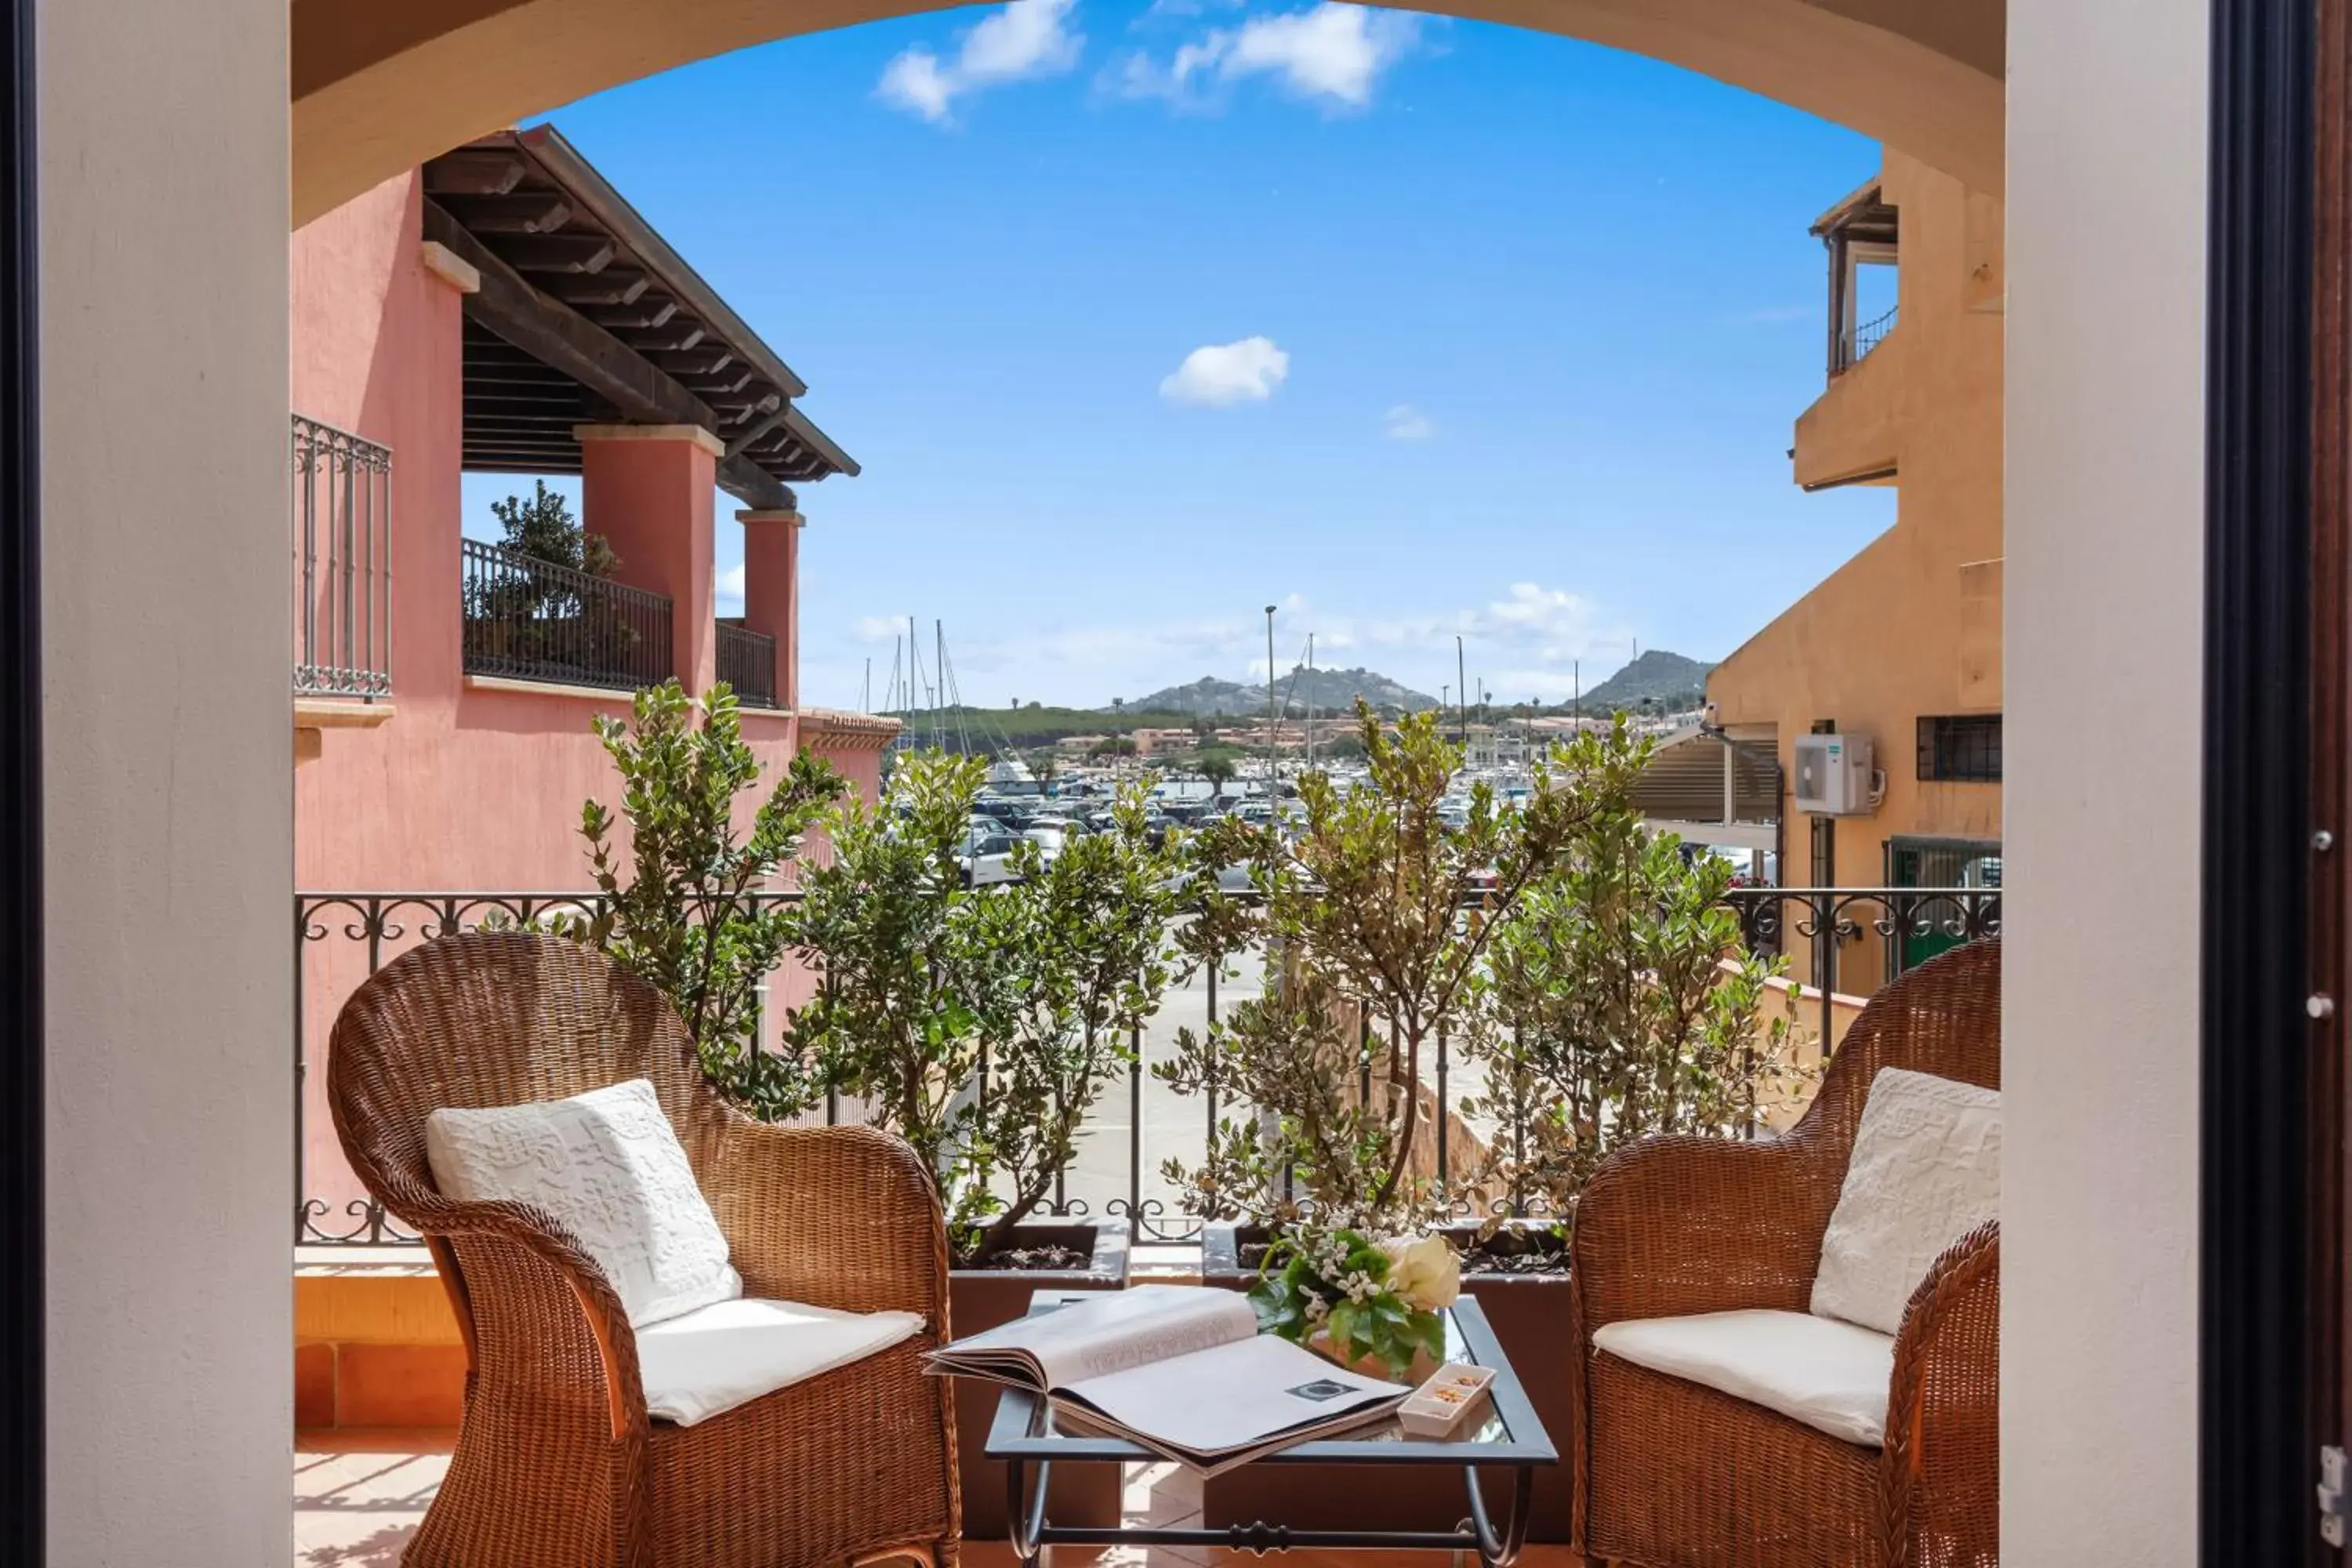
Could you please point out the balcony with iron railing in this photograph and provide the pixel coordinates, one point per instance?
(527, 619)
(1851, 434)
(1851, 938)
(339, 508)
(747, 663)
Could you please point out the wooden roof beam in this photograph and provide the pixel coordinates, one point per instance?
(642, 315)
(530, 212)
(726, 383)
(472, 171)
(739, 444)
(568, 342)
(616, 286)
(563, 339)
(703, 362)
(562, 253)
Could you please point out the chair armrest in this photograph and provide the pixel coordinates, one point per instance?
(1940, 1483)
(526, 1293)
(843, 1217)
(1679, 1224)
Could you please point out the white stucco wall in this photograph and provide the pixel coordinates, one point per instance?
(2105, 444)
(164, 201)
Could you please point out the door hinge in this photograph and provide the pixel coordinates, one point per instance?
(2331, 1495)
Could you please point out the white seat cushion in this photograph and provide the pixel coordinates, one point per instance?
(1925, 1171)
(1832, 1376)
(607, 1166)
(717, 1357)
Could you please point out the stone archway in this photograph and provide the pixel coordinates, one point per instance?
(378, 89)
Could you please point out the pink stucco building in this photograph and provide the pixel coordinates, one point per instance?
(502, 309)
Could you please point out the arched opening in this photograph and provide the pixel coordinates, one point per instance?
(1829, 63)
(173, 543)
(379, 89)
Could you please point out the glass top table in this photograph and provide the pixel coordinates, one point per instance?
(1028, 1437)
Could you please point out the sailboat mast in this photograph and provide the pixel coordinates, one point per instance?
(1310, 701)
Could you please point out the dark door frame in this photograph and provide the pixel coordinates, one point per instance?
(2274, 857)
(23, 1107)
(2274, 777)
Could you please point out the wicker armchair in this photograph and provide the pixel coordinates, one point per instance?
(557, 1463)
(1672, 1473)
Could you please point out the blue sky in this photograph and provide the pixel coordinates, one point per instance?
(1142, 317)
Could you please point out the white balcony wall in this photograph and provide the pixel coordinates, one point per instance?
(2104, 476)
(168, 798)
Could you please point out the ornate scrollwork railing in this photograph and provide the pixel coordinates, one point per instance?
(1855, 937)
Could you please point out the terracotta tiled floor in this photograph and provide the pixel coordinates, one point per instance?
(358, 1496)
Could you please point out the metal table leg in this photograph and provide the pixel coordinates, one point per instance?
(1027, 1515)
(1024, 1507)
(1500, 1551)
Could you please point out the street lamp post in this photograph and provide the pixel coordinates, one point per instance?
(1460, 695)
(1269, 705)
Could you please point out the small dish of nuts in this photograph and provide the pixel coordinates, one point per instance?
(1442, 1403)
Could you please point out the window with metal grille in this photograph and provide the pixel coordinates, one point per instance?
(1960, 748)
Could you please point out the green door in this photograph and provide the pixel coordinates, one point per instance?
(1936, 863)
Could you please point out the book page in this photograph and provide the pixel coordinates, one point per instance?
(1116, 1330)
(1232, 1396)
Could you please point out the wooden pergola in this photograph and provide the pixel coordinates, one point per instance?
(1861, 230)
(586, 316)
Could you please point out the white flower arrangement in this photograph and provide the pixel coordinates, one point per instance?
(1371, 1299)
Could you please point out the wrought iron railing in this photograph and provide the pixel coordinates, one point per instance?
(747, 663)
(341, 938)
(340, 506)
(532, 620)
(1873, 332)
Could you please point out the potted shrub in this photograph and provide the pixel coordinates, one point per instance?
(1620, 1004)
(682, 914)
(1624, 1004)
(1377, 917)
(984, 1025)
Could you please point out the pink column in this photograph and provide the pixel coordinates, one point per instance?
(647, 489)
(771, 589)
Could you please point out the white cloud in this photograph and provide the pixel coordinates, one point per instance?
(1217, 375)
(1330, 53)
(1027, 38)
(1406, 423)
(1531, 607)
(729, 591)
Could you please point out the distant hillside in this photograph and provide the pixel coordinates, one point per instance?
(994, 729)
(1327, 690)
(1668, 680)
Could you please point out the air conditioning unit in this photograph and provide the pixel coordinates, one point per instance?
(1835, 776)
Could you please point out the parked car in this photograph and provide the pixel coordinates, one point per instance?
(1048, 835)
(987, 857)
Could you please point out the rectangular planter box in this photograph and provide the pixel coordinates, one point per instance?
(981, 1299)
(1530, 1315)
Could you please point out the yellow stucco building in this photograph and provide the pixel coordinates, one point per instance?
(1902, 645)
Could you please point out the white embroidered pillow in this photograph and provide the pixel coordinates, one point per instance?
(608, 1167)
(1926, 1171)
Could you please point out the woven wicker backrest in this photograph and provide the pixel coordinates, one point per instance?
(1942, 1017)
(498, 1018)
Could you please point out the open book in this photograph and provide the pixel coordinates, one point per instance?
(1181, 1369)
